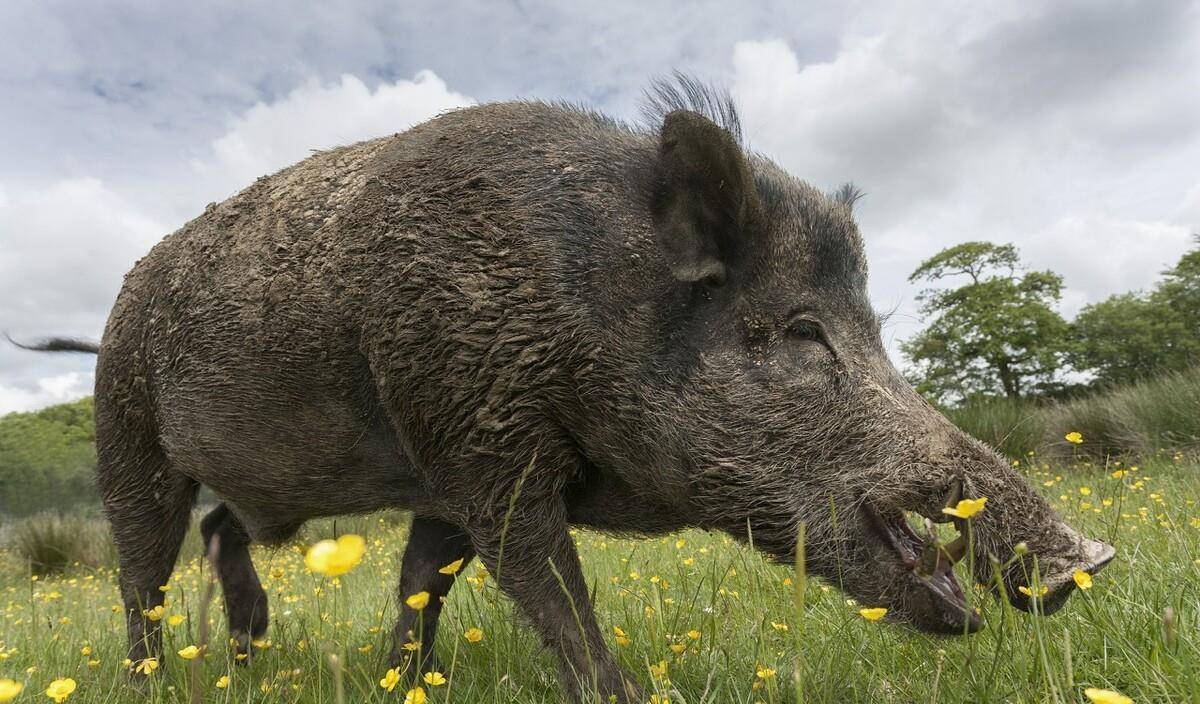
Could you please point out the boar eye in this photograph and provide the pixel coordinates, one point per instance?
(805, 330)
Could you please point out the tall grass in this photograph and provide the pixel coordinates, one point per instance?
(50, 543)
(1155, 416)
(1012, 426)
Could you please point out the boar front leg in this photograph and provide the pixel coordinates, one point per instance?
(524, 556)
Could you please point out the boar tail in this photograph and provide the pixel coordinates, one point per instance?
(58, 344)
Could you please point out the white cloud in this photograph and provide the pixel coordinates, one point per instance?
(65, 249)
(269, 136)
(1188, 211)
(66, 246)
(50, 390)
(1099, 256)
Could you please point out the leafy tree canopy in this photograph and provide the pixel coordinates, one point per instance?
(997, 333)
(1180, 289)
(1131, 336)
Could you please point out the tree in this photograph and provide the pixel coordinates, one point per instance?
(997, 334)
(1180, 290)
(1130, 336)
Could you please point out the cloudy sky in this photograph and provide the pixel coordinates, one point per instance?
(1071, 129)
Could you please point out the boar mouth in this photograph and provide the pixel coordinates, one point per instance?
(931, 597)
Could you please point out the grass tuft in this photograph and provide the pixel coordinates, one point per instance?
(52, 543)
(1153, 417)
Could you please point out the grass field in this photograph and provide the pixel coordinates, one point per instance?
(704, 621)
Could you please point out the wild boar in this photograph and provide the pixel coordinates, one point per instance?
(519, 317)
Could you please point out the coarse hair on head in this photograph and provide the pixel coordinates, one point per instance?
(679, 91)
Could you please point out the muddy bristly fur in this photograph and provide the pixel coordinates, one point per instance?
(647, 328)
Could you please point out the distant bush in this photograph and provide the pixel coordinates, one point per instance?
(1012, 426)
(52, 542)
(1157, 415)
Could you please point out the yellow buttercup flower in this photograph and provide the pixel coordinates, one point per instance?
(873, 614)
(1073, 437)
(222, 682)
(966, 508)
(1083, 580)
(175, 620)
(390, 679)
(418, 601)
(1029, 592)
(147, 666)
(190, 653)
(60, 689)
(154, 614)
(1106, 696)
(621, 637)
(9, 689)
(434, 679)
(453, 567)
(332, 558)
(473, 635)
(765, 673)
(416, 695)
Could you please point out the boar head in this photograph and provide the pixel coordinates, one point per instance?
(794, 413)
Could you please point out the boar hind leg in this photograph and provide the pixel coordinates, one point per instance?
(432, 546)
(539, 569)
(149, 506)
(245, 600)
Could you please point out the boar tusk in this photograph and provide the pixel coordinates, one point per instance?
(954, 494)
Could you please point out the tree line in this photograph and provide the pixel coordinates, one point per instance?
(48, 459)
(993, 329)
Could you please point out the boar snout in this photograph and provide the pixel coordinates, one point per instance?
(1057, 572)
(1039, 552)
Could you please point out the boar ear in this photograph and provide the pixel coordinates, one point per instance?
(704, 197)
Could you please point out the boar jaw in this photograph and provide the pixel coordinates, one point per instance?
(931, 598)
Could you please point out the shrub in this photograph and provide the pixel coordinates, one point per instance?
(1012, 426)
(51, 542)
(1160, 414)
